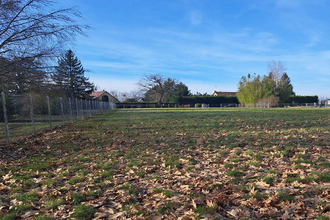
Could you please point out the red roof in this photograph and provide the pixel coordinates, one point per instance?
(97, 94)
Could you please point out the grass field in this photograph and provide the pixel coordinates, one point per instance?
(173, 163)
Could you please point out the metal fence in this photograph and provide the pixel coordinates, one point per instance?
(22, 115)
(220, 105)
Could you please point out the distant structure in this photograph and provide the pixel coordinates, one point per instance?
(103, 96)
(215, 93)
(327, 103)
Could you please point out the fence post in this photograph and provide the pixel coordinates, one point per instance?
(90, 107)
(62, 110)
(70, 106)
(5, 115)
(32, 114)
(77, 108)
(49, 119)
(82, 108)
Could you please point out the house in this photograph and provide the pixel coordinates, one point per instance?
(103, 96)
(215, 93)
(327, 103)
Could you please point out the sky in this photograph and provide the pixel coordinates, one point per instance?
(206, 44)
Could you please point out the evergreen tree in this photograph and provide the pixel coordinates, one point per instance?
(19, 76)
(69, 76)
(285, 89)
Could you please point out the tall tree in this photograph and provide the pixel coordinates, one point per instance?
(157, 86)
(179, 90)
(276, 70)
(70, 76)
(35, 28)
(285, 89)
(20, 76)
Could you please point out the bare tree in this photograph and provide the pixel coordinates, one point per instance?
(276, 70)
(157, 85)
(33, 28)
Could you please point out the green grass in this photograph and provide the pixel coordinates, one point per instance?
(78, 198)
(155, 162)
(234, 173)
(53, 204)
(75, 180)
(83, 212)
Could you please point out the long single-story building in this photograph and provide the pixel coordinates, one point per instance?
(103, 96)
(215, 93)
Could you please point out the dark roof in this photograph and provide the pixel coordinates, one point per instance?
(215, 93)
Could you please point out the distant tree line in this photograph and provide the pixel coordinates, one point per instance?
(273, 89)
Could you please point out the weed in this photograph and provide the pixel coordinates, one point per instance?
(260, 196)
(48, 182)
(215, 186)
(172, 161)
(83, 212)
(169, 192)
(292, 179)
(108, 173)
(28, 183)
(234, 173)
(158, 190)
(53, 204)
(75, 180)
(41, 166)
(322, 217)
(15, 189)
(193, 161)
(134, 163)
(83, 159)
(141, 174)
(229, 166)
(284, 196)
(78, 167)
(189, 168)
(204, 210)
(324, 177)
(258, 156)
(168, 206)
(77, 198)
(13, 213)
(271, 171)
(28, 197)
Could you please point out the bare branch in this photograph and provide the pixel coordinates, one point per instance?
(28, 27)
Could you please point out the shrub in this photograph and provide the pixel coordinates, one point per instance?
(271, 101)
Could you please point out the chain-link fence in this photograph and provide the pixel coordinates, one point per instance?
(22, 115)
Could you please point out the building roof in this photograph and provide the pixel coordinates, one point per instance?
(215, 93)
(97, 94)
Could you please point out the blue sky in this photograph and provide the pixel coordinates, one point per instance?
(207, 44)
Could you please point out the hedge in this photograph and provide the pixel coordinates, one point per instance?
(303, 99)
(211, 100)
